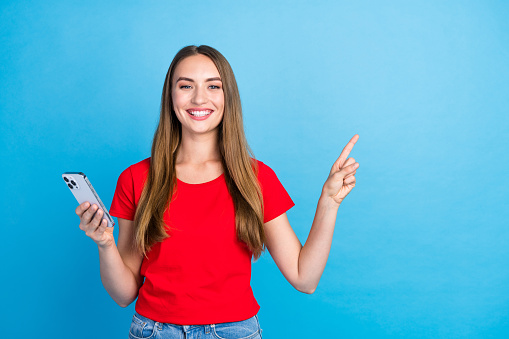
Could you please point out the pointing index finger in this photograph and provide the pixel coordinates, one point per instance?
(346, 151)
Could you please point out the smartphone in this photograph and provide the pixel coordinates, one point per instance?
(83, 191)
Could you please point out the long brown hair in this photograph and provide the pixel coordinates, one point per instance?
(240, 170)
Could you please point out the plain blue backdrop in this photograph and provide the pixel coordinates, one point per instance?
(421, 246)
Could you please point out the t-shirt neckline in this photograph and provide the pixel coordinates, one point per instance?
(211, 182)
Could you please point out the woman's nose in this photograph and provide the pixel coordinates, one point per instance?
(200, 96)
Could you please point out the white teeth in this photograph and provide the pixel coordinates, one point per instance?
(199, 113)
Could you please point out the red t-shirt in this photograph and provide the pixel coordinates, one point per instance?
(201, 274)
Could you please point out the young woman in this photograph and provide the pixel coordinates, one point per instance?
(188, 258)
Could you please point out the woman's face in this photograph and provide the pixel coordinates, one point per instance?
(197, 93)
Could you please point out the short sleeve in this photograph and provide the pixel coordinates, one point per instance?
(123, 203)
(276, 199)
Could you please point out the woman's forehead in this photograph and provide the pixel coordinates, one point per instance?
(196, 67)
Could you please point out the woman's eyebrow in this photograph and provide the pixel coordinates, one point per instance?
(191, 80)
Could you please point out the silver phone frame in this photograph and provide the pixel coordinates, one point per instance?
(98, 201)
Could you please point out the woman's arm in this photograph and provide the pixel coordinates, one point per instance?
(119, 265)
(301, 265)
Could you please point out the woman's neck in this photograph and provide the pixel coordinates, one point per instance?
(199, 159)
(198, 149)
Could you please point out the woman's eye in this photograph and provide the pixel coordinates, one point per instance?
(214, 87)
(185, 87)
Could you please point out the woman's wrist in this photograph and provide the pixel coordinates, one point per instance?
(328, 201)
(106, 245)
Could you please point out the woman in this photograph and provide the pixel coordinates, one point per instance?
(188, 259)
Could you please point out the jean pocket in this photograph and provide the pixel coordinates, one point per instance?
(141, 327)
(246, 329)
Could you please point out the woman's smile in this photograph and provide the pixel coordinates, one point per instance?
(199, 113)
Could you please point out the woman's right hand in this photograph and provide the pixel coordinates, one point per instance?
(97, 227)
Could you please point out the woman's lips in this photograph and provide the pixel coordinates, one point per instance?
(199, 114)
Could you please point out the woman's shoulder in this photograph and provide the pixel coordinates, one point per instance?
(142, 165)
(276, 199)
(258, 164)
(262, 169)
(140, 168)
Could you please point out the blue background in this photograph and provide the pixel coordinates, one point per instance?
(421, 246)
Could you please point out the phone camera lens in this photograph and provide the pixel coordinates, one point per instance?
(70, 186)
(66, 180)
(72, 182)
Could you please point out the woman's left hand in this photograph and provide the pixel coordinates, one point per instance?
(342, 175)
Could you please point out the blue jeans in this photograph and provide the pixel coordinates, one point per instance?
(142, 327)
